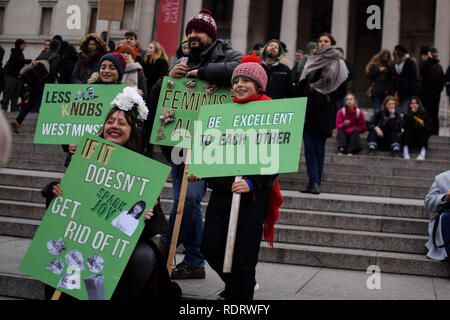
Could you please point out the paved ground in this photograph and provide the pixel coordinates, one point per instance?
(290, 282)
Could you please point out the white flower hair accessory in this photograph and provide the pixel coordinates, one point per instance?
(130, 98)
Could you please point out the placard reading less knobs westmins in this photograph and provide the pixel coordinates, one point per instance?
(68, 111)
(88, 233)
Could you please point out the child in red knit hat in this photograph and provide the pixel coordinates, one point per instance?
(249, 82)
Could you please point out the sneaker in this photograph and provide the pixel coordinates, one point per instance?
(406, 156)
(15, 126)
(185, 271)
(420, 157)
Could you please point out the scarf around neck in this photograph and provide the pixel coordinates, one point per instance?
(334, 70)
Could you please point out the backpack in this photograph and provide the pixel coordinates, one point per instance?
(36, 72)
(358, 112)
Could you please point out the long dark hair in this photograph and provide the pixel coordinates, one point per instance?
(134, 142)
(421, 108)
(142, 205)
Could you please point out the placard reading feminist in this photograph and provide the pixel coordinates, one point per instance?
(88, 233)
(261, 137)
(68, 111)
(178, 106)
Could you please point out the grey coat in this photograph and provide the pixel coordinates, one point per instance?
(433, 200)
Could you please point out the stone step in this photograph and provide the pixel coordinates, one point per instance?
(358, 189)
(21, 194)
(46, 161)
(358, 222)
(350, 239)
(353, 259)
(325, 202)
(28, 178)
(26, 228)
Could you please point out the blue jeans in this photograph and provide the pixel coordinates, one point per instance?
(191, 230)
(377, 102)
(314, 155)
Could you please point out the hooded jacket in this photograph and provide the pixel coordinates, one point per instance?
(16, 62)
(87, 63)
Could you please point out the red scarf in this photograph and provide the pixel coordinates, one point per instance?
(255, 97)
(275, 197)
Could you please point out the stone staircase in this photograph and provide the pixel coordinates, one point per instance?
(370, 211)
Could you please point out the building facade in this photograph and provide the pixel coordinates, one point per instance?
(361, 27)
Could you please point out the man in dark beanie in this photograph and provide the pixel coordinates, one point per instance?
(280, 76)
(212, 60)
(433, 81)
(407, 76)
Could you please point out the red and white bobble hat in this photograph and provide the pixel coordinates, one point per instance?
(203, 21)
(252, 68)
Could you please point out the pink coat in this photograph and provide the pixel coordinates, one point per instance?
(358, 124)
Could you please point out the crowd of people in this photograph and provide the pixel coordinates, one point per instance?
(404, 114)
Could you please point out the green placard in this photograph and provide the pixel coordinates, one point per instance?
(68, 111)
(263, 137)
(88, 234)
(178, 106)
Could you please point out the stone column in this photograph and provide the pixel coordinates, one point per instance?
(441, 32)
(289, 26)
(391, 24)
(192, 8)
(239, 25)
(339, 23)
(146, 22)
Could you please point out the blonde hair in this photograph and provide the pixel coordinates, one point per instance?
(159, 53)
(376, 59)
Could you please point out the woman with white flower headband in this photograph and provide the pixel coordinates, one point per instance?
(138, 281)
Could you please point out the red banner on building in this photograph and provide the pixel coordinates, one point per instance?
(167, 30)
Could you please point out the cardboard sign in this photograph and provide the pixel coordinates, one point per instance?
(89, 233)
(255, 138)
(179, 103)
(68, 111)
(111, 10)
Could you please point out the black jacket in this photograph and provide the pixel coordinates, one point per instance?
(407, 80)
(216, 64)
(447, 81)
(383, 83)
(432, 76)
(154, 71)
(382, 120)
(15, 63)
(320, 118)
(54, 60)
(279, 84)
(410, 123)
(69, 58)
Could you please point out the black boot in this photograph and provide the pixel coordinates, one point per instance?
(312, 187)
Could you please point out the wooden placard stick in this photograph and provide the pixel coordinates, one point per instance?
(56, 295)
(232, 227)
(179, 215)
